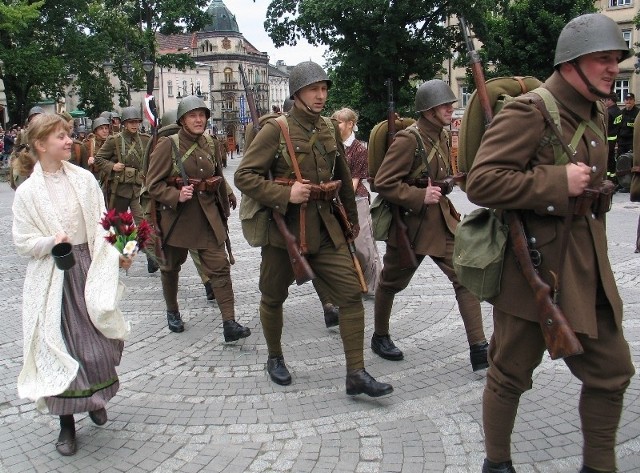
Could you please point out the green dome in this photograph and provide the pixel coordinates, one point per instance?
(222, 20)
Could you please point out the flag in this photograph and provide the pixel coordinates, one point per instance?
(150, 110)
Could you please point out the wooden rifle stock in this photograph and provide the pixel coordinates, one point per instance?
(406, 254)
(347, 230)
(559, 338)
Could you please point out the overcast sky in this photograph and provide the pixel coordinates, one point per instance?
(250, 16)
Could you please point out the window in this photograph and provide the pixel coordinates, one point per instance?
(198, 90)
(464, 95)
(626, 34)
(228, 75)
(170, 88)
(621, 89)
(619, 3)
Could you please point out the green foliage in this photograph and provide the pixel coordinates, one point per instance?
(372, 40)
(520, 39)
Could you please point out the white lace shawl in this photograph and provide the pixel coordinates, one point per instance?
(47, 367)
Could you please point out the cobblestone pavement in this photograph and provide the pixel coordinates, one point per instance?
(189, 402)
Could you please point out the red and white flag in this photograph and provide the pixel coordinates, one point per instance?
(149, 108)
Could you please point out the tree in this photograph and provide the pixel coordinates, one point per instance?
(520, 39)
(372, 40)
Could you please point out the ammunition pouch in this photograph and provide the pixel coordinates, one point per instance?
(446, 185)
(595, 201)
(129, 176)
(326, 191)
(209, 185)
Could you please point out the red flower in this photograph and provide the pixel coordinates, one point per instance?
(111, 238)
(122, 229)
(108, 220)
(126, 218)
(144, 234)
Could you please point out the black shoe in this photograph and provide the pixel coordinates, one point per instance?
(66, 444)
(478, 355)
(504, 467)
(174, 321)
(209, 291)
(384, 347)
(152, 266)
(278, 370)
(361, 382)
(99, 416)
(331, 314)
(587, 469)
(234, 331)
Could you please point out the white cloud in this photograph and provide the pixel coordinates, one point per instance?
(250, 16)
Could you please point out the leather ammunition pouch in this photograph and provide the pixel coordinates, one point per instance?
(209, 185)
(595, 201)
(446, 185)
(326, 191)
(129, 176)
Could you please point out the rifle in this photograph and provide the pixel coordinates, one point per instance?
(347, 229)
(301, 269)
(559, 338)
(406, 255)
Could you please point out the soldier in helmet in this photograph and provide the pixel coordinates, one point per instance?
(120, 161)
(200, 204)
(79, 155)
(116, 121)
(516, 171)
(320, 158)
(410, 180)
(100, 132)
(15, 178)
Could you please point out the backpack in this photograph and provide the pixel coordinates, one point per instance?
(377, 147)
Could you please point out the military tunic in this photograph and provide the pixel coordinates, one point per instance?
(518, 171)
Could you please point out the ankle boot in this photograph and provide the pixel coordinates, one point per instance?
(174, 321)
(361, 382)
(99, 416)
(504, 467)
(384, 347)
(152, 265)
(331, 315)
(587, 469)
(234, 331)
(278, 370)
(66, 444)
(478, 355)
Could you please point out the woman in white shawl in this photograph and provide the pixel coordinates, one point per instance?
(73, 330)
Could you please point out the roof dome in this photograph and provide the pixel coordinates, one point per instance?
(222, 20)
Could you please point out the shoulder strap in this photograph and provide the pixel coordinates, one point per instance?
(425, 160)
(284, 128)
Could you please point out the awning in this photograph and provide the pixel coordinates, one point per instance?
(77, 113)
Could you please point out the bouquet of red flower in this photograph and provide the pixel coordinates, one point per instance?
(124, 234)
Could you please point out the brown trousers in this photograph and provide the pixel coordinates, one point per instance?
(215, 265)
(394, 279)
(605, 368)
(335, 277)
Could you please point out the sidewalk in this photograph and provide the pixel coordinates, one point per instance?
(189, 402)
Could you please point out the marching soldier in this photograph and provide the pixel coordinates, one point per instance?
(428, 214)
(516, 171)
(320, 158)
(15, 178)
(120, 161)
(100, 127)
(116, 122)
(185, 179)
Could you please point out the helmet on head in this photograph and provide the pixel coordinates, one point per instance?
(37, 110)
(587, 34)
(100, 121)
(131, 113)
(287, 105)
(66, 115)
(169, 117)
(115, 114)
(106, 115)
(304, 74)
(191, 102)
(433, 93)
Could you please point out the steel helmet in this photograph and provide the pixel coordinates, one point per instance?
(169, 117)
(99, 122)
(37, 110)
(433, 93)
(589, 33)
(191, 102)
(115, 114)
(106, 115)
(304, 74)
(131, 113)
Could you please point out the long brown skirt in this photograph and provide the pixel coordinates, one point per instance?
(98, 356)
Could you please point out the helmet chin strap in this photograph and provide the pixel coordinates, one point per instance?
(303, 103)
(589, 85)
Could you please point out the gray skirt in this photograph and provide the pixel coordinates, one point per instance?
(97, 355)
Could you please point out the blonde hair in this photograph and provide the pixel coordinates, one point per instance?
(40, 127)
(346, 115)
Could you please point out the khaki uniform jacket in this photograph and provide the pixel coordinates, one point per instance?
(513, 170)
(426, 225)
(201, 223)
(262, 156)
(79, 154)
(111, 152)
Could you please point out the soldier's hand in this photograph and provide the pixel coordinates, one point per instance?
(233, 202)
(186, 193)
(300, 192)
(117, 167)
(432, 194)
(91, 160)
(578, 178)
